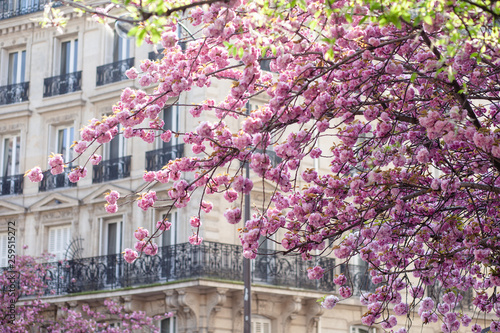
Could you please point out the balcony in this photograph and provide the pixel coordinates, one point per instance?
(62, 84)
(156, 159)
(51, 182)
(12, 8)
(11, 184)
(14, 93)
(180, 262)
(116, 168)
(113, 72)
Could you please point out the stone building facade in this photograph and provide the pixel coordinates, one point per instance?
(52, 83)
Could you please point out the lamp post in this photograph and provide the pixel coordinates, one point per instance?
(247, 283)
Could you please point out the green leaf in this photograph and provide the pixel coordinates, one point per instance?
(428, 19)
(413, 77)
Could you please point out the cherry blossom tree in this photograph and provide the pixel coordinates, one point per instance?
(399, 99)
(24, 284)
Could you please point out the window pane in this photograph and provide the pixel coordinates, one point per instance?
(168, 118)
(75, 56)
(13, 58)
(112, 236)
(23, 66)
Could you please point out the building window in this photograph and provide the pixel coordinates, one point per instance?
(3, 250)
(11, 181)
(165, 151)
(261, 324)
(11, 147)
(114, 165)
(121, 48)
(69, 79)
(112, 236)
(69, 57)
(59, 239)
(17, 67)
(169, 237)
(168, 325)
(65, 138)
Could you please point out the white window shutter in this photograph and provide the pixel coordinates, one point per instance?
(59, 238)
(261, 325)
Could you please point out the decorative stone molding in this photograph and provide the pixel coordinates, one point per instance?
(237, 310)
(185, 306)
(314, 312)
(215, 301)
(292, 307)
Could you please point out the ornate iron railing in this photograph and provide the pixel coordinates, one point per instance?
(358, 278)
(113, 72)
(116, 168)
(14, 93)
(180, 262)
(436, 292)
(273, 158)
(155, 55)
(62, 84)
(50, 181)
(11, 184)
(156, 159)
(12, 8)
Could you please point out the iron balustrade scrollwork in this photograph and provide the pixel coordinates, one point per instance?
(11, 184)
(112, 169)
(12, 8)
(113, 72)
(14, 93)
(271, 267)
(464, 302)
(358, 278)
(62, 84)
(156, 159)
(180, 262)
(50, 181)
(273, 158)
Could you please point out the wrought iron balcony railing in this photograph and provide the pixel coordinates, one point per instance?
(180, 262)
(62, 84)
(11, 184)
(156, 159)
(14, 93)
(116, 168)
(51, 182)
(273, 158)
(155, 55)
(464, 300)
(12, 8)
(113, 72)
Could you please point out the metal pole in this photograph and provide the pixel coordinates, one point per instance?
(247, 295)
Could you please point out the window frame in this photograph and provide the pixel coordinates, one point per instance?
(19, 69)
(172, 325)
(73, 57)
(257, 319)
(15, 166)
(104, 235)
(54, 145)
